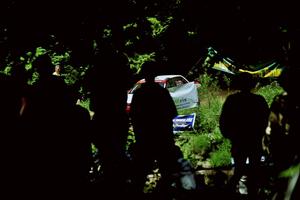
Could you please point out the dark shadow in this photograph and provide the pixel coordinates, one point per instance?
(243, 120)
(282, 134)
(10, 104)
(152, 112)
(107, 82)
(55, 149)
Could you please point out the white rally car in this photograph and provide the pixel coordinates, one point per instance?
(183, 92)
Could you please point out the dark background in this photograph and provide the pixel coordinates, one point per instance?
(247, 31)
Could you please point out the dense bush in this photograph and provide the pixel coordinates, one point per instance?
(221, 156)
(270, 91)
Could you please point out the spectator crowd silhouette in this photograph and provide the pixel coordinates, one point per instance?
(46, 136)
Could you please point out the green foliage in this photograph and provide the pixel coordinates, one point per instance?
(200, 144)
(70, 73)
(139, 59)
(60, 58)
(85, 103)
(130, 139)
(270, 91)
(291, 171)
(216, 136)
(94, 149)
(39, 51)
(107, 33)
(207, 143)
(197, 148)
(158, 26)
(221, 156)
(209, 85)
(7, 70)
(185, 142)
(209, 115)
(210, 104)
(33, 79)
(28, 59)
(129, 26)
(226, 80)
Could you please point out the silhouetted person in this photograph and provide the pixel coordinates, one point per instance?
(10, 104)
(80, 139)
(243, 120)
(20, 78)
(284, 125)
(284, 121)
(52, 145)
(108, 82)
(152, 112)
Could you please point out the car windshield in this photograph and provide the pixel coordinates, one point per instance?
(138, 85)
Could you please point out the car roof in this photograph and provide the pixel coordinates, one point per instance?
(162, 78)
(165, 77)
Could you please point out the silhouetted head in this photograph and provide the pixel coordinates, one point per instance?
(107, 62)
(19, 72)
(43, 65)
(149, 71)
(244, 81)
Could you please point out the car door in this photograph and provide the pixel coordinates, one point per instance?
(184, 93)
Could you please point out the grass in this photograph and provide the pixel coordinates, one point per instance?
(206, 143)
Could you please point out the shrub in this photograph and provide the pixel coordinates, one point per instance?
(221, 156)
(209, 115)
(195, 147)
(210, 104)
(270, 91)
(201, 145)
